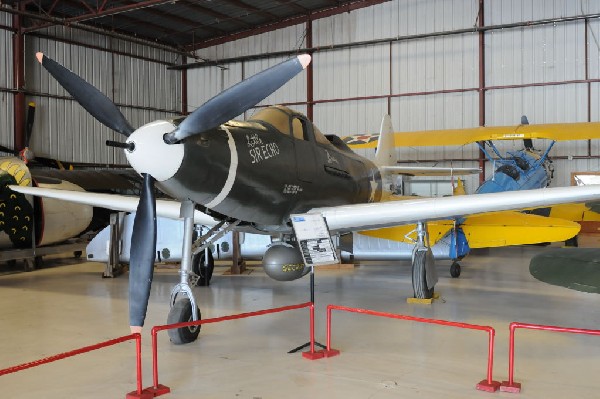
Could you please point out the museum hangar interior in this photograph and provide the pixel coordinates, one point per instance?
(293, 223)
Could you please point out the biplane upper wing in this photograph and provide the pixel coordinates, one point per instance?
(551, 131)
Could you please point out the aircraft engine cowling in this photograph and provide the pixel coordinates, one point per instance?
(283, 262)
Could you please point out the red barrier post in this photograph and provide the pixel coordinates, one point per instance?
(139, 393)
(515, 387)
(488, 384)
(159, 389)
(312, 355)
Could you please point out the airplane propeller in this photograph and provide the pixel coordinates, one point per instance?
(237, 99)
(219, 109)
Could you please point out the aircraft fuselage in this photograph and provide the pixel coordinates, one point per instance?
(242, 170)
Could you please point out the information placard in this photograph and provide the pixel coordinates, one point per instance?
(314, 240)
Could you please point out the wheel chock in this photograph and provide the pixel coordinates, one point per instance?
(515, 387)
(423, 301)
(486, 386)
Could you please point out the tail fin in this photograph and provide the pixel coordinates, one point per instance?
(386, 154)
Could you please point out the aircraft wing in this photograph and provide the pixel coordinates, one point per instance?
(392, 213)
(429, 171)
(552, 131)
(165, 208)
(362, 216)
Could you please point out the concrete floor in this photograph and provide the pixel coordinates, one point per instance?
(69, 305)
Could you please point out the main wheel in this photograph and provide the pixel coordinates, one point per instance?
(419, 276)
(203, 268)
(455, 269)
(181, 312)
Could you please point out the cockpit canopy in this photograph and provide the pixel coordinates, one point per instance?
(289, 122)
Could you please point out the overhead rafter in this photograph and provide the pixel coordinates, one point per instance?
(312, 15)
(101, 12)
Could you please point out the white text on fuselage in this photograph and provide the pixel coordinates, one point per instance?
(260, 151)
(291, 189)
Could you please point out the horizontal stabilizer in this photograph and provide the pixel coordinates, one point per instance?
(429, 171)
(514, 228)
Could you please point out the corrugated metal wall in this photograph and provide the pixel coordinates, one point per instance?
(431, 83)
(6, 82)
(144, 90)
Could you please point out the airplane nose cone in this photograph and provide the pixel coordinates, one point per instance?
(151, 154)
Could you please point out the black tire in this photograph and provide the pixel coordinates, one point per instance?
(419, 276)
(572, 242)
(202, 268)
(77, 254)
(181, 312)
(455, 270)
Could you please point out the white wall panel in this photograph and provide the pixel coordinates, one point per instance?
(356, 72)
(6, 119)
(541, 104)
(149, 84)
(6, 72)
(441, 63)
(545, 53)
(350, 117)
(509, 11)
(594, 48)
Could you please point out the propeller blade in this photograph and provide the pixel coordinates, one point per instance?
(237, 99)
(141, 263)
(97, 104)
(29, 125)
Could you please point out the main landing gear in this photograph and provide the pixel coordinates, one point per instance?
(195, 272)
(455, 269)
(424, 275)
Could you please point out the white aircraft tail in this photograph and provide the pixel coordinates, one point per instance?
(386, 154)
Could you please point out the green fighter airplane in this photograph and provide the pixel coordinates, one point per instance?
(252, 175)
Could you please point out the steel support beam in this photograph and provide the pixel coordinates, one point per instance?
(18, 51)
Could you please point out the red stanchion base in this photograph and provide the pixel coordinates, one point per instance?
(144, 395)
(149, 393)
(331, 352)
(515, 387)
(313, 355)
(484, 385)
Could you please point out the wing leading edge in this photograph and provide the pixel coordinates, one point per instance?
(363, 216)
(164, 208)
(387, 214)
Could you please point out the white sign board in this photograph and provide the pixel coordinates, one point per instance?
(314, 240)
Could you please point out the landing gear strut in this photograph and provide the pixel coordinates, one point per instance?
(185, 309)
(424, 275)
(193, 272)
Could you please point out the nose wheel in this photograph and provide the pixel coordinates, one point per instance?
(181, 312)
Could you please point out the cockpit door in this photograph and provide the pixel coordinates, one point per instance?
(304, 143)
